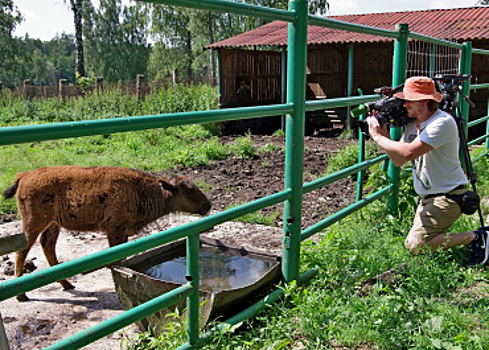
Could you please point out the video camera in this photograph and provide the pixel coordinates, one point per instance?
(390, 109)
(449, 85)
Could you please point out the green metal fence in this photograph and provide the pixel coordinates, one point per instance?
(294, 108)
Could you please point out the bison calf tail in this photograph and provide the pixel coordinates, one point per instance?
(10, 192)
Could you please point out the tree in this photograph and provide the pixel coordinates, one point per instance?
(171, 28)
(77, 8)
(61, 53)
(47, 61)
(135, 48)
(116, 40)
(163, 61)
(482, 2)
(11, 54)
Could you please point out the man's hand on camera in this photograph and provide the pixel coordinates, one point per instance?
(375, 129)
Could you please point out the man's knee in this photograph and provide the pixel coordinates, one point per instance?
(414, 245)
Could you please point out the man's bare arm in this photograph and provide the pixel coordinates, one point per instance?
(399, 152)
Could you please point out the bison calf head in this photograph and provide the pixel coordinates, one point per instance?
(187, 197)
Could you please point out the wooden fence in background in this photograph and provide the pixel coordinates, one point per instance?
(139, 88)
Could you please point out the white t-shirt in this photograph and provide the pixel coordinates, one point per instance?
(437, 171)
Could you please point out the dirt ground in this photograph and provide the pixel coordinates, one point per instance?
(53, 314)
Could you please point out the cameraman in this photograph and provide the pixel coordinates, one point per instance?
(431, 143)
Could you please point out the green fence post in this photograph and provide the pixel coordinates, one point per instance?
(351, 51)
(294, 144)
(398, 77)
(465, 63)
(487, 123)
(361, 156)
(283, 82)
(193, 242)
(219, 76)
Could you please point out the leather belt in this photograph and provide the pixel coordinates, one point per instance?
(459, 187)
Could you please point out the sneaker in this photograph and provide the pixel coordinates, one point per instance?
(479, 247)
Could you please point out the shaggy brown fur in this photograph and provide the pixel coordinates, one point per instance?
(117, 201)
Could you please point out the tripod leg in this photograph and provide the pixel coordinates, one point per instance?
(467, 161)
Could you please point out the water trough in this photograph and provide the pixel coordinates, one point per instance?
(229, 278)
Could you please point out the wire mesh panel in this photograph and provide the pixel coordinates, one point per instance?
(429, 59)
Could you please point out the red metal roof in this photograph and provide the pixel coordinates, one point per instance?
(462, 24)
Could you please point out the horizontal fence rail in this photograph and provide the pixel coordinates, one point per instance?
(232, 7)
(45, 132)
(291, 196)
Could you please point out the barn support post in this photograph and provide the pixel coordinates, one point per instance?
(398, 77)
(351, 51)
(294, 144)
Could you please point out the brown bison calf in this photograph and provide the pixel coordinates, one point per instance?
(113, 200)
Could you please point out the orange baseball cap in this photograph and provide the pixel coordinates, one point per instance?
(419, 88)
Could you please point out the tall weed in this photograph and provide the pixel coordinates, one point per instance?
(111, 103)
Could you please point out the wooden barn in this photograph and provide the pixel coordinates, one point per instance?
(252, 65)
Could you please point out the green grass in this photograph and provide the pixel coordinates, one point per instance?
(256, 217)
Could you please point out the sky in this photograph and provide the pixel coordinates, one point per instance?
(43, 19)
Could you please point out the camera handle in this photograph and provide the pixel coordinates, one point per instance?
(466, 98)
(466, 155)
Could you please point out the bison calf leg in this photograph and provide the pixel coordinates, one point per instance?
(19, 268)
(117, 239)
(48, 243)
(20, 258)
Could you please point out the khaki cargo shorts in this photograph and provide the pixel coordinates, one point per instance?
(434, 216)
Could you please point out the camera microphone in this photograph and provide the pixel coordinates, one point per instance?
(362, 109)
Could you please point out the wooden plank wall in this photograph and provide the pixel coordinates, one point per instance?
(260, 69)
(325, 70)
(328, 69)
(372, 67)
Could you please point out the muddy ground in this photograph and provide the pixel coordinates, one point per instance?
(53, 314)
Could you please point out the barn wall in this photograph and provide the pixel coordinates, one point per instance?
(480, 74)
(250, 77)
(326, 71)
(372, 67)
(480, 63)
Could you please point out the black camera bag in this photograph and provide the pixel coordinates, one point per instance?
(468, 201)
